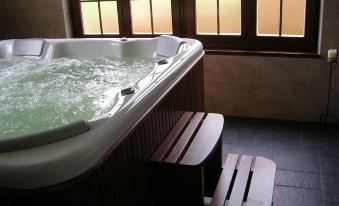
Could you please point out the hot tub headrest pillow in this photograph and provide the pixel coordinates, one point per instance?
(28, 47)
(43, 138)
(168, 46)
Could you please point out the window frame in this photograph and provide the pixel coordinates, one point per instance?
(184, 25)
(249, 41)
(124, 19)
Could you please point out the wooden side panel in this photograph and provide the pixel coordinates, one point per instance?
(261, 189)
(224, 183)
(121, 178)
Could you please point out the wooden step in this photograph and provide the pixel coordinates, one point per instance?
(192, 140)
(245, 181)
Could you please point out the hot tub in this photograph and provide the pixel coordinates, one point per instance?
(51, 157)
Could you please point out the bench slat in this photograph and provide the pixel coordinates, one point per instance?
(172, 137)
(239, 187)
(261, 189)
(205, 140)
(185, 138)
(224, 183)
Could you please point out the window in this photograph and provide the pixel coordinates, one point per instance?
(151, 16)
(271, 25)
(99, 17)
(275, 25)
(220, 17)
(281, 18)
(117, 18)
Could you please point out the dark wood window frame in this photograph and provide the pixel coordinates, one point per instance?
(125, 20)
(249, 41)
(184, 25)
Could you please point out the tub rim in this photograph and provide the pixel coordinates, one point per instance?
(183, 68)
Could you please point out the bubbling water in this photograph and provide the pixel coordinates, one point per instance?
(41, 94)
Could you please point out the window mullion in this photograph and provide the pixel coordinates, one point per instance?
(100, 19)
(251, 20)
(244, 19)
(126, 19)
(281, 16)
(190, 18)
(218, 18)
(178, 22)
(120, 18)
(151, 10)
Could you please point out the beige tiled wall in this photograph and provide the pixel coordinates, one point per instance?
(32, 19)
(275, 87)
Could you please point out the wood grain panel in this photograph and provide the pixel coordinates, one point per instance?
(238, 191)
(172, 137)
(185, 139)
(261, 189)
(205, 140)
(223, 186)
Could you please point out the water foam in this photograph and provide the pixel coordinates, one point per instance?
(42, 94)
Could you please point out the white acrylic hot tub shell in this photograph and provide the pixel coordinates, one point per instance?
(63, 160)
(6, 48)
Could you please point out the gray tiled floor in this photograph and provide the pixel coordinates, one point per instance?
(306, 154)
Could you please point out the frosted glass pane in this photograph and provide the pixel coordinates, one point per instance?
(162, 16)
(109, 17)
(141, 17)
(230, 16)
(90, 17)
(206, 11)
(268, 17)
(293, 19)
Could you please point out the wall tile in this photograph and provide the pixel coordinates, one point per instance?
(240, 69)
(35, 6)
(33, 26)
(32, 19)
(331, 5)
(296, 71)
(234, 99)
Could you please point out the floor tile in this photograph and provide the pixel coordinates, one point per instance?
(230, 133)
(306, 154)
(281, 133)
(329, 152)
(297, 160)
(248, 136)
(298, 179)
(241, 131)
(329, 164)
(226, 149)
(224, 159)
(331, 204)
(253, 151)
(330, 187)
(315, 135)
(242, 121)
(290, 196)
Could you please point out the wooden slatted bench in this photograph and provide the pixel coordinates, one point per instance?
(245, 181)
(187, 165)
